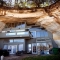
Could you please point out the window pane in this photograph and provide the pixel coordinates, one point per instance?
(7, 34)
(22, 33)
(38, 34)
(46, 34)
(11, 40)
(20, 47)
(18, 40)
(5, 46)
(29, 47)
(42, 35)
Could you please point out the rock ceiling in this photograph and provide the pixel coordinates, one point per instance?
(48, 17)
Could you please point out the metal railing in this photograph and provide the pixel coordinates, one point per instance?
(16, 34)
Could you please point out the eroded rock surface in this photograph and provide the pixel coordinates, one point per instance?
(48, 18)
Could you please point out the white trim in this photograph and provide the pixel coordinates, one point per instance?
(32, 48)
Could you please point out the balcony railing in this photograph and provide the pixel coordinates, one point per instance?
(15, 34)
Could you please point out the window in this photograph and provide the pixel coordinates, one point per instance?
(5, 46)
(11, 41)
(7, 34)
(18, 40)
(22, 33)
(42, 33)
(20, 47)
(46, 34)
(38, 34)
(29, 48)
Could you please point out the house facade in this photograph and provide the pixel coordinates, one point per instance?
(26, 38)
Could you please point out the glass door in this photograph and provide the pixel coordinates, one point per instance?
(42, 48)
(38, 48)
(13, 49)
(34, 48)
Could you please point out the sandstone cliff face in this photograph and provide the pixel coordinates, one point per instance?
(51, 19)
(48, 18)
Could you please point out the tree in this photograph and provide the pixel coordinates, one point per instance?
(2, 3)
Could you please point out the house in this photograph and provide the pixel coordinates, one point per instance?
(26, 38)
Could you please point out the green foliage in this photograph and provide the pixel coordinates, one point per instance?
(55, 51)
(22, 4)
(29, 4)
(44, 4)
(53, 57)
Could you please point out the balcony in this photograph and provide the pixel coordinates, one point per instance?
(20, 34)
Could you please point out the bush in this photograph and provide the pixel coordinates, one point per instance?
(55, 51)
(53, 57)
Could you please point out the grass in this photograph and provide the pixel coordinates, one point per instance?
(52, 57)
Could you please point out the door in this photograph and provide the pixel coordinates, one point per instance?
(38, 48)
(13, 49)
(34, 48)
(42, 48)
